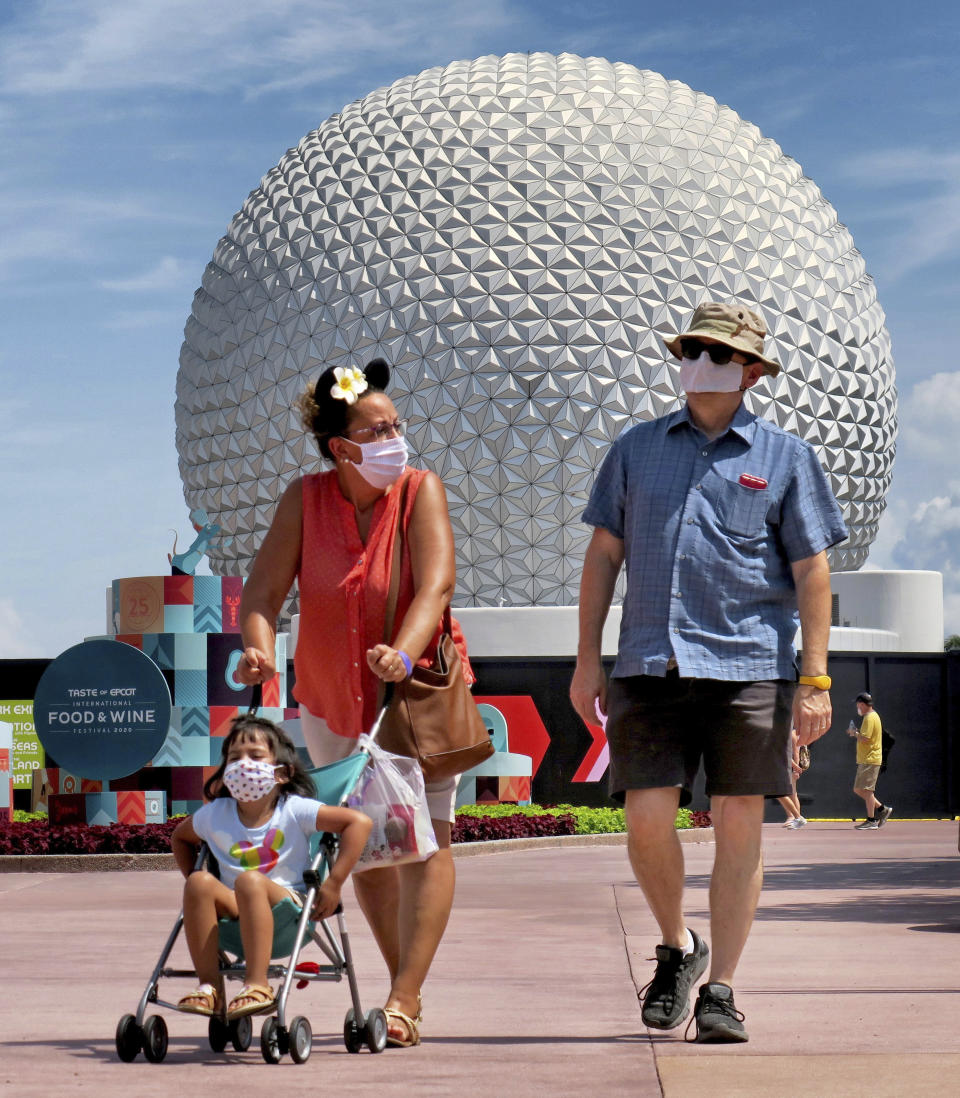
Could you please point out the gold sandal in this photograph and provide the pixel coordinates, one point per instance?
(203, 1000)
(263, 998)
(410, 1024)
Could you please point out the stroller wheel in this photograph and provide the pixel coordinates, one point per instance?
(375, 1030)
(129, 1038)
(270, 1041)
(218, 1033)
(352, 1036)
(155, 1039)
(301, 1040)
(241, 1033)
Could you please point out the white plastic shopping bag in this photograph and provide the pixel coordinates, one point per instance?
(390, 791)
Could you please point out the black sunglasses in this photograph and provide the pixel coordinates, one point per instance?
(719, 354)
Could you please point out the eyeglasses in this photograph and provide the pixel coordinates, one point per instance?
(382, 430)
(719, 354)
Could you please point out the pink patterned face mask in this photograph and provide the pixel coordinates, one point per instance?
(249, 779)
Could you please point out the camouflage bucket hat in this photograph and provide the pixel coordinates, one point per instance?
(733, 325)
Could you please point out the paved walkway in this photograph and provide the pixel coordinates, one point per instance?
(849, 982)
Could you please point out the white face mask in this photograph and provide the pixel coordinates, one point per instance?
(701, 375)
(383, 461)
(249, 779)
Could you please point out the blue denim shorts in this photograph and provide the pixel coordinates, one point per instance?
(661, 728)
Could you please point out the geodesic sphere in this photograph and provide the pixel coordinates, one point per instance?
(514, 235)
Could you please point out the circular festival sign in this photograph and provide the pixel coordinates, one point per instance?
(102, 709)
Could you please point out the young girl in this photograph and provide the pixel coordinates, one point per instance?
(257, 825)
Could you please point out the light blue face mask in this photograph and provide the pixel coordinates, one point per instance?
(702, 375)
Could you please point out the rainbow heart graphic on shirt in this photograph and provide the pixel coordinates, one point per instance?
(263, 857)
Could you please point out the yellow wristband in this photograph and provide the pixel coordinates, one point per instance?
(821, 682)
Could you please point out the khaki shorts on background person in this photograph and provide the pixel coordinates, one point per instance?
(866, 776)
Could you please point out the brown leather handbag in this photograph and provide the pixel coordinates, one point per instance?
(433, 717)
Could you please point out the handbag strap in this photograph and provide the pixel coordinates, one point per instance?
(393, 592)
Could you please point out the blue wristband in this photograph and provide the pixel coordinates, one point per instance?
(406, 661)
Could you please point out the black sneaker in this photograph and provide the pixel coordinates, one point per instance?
(717, 1018)
(883, 815)
(666, 999)
(869, 824)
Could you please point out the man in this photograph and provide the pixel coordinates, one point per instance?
(869, 760)
(723, 521)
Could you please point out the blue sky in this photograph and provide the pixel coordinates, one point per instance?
(132, 130)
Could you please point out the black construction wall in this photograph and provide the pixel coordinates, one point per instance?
(917, 695)
(19, 678)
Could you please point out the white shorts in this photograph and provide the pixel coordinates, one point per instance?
(325, 746)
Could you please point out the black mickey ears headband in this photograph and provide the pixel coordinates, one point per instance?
(377, 373)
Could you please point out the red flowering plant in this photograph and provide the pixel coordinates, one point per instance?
(475, 829)
(39, 837)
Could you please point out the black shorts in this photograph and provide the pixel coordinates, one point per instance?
(659, 729)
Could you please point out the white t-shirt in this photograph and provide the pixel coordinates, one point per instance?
(280, 848)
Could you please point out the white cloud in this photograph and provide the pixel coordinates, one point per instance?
(168, 274)
(16, 642)
(222, 45)
(921, 526)
(928, 416)
(932, 539)
(129, 320)
(64, 226)
(891, 167)
(951, 611)
(924, 223)
(893, 525)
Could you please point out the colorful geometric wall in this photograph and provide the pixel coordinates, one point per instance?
(190, 627)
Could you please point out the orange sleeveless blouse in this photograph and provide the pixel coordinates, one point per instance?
(343, 600)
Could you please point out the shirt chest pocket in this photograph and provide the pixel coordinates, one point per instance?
(742, 511)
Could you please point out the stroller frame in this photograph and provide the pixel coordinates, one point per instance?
(140, 1032)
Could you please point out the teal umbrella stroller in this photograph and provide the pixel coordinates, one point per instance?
(293, 928)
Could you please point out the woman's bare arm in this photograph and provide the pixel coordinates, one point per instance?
(274, 571)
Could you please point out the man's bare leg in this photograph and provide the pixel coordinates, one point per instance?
(656, 857)
(736, 880)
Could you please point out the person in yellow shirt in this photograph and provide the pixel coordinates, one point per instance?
(869, 738)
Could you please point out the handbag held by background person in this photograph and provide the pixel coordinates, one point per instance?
(433, 717)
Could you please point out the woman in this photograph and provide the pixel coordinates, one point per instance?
(334, 533)
(799, 761)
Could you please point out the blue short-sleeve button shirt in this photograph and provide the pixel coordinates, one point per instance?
(710, 529)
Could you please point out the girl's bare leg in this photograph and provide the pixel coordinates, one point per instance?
(255, 895)
(205, 900)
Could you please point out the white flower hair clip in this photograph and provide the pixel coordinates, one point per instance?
(350, 383)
